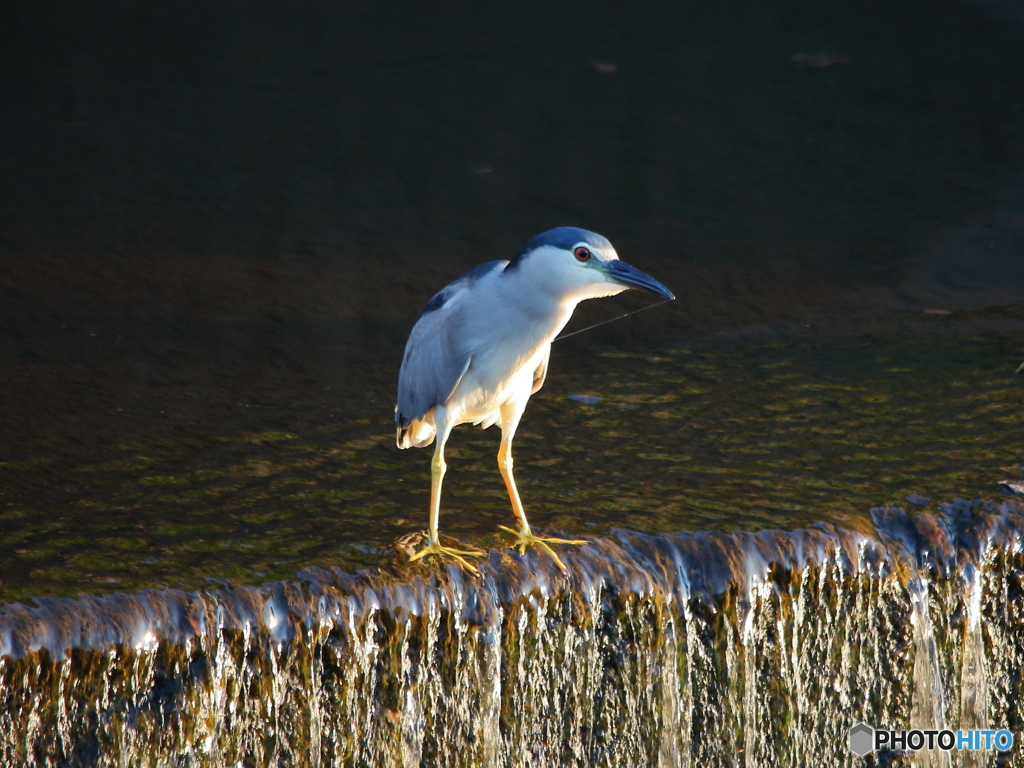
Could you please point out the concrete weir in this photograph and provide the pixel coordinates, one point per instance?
(691, 649)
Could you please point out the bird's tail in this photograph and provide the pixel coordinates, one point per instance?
(416, 433)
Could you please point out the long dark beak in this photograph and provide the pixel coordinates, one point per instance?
(621, 272)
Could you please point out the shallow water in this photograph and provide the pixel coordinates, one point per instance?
(736, 438)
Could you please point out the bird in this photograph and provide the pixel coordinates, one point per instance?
(480, 348)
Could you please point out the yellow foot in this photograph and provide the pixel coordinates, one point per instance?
(543, 542)
(458, 555)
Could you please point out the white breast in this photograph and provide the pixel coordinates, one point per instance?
(508, 335)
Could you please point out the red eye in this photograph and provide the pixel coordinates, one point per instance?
(582, 254)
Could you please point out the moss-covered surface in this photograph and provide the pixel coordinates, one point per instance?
(751, 437)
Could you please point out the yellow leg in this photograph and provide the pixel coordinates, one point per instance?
(525, 536)
(505, 467)
(437, 470)
(438, 467)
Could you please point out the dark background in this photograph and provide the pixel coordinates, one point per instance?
(219, 221)
(207, 208)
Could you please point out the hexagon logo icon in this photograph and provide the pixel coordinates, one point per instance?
(862, 739)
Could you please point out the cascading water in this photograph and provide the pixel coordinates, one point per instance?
(709, 649)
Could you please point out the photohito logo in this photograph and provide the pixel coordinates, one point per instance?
(864, 739)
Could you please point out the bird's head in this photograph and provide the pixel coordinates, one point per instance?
(576, 264)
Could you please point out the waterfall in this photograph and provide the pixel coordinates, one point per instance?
(689, 649)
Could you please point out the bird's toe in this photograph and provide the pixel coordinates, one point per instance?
(524, 540)
(458, 555)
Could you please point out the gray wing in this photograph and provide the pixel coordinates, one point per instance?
(434, 362)
(432, 365)
(542, 371)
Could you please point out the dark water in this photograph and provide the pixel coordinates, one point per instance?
(219, 221)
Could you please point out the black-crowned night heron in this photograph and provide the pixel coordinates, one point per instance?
(480, 348)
